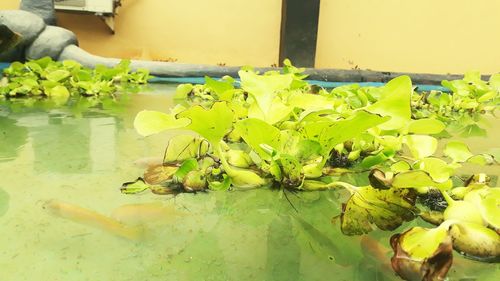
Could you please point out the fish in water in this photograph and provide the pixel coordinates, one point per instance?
(138, 214)
(91, 218)
(8, 38)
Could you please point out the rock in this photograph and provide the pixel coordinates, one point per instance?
(51, 42)
(8, 38)
(42, 8)
(27, 25)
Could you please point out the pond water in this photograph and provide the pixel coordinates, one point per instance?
(81, 157)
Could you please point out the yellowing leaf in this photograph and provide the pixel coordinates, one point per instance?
(438, 169)
(458, 151)
(149, 122)
(421, 146)
(426, 126)
(418, 179)
(183, 147)
(387, 209)
(422, 253)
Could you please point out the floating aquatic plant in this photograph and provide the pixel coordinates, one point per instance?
(57, 80)
(275, 130)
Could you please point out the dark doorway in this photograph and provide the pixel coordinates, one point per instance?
(299, 30)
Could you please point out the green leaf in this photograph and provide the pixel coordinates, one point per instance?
(331, 133)
(238, 158)
(149, 122)
(482, 159)
(219, 87)
(400, 166)
(264, 88)
(438, 169)
(291, 168)
(394, 102)
(187, 166)
(58, 92)
(457, 151)
(183, 147)
(134, 187)
(421, 146)
(376, 159)
(44, 62)
(422, 253)
(256, 133)
(220, 186)
(421, 243)
(71, 64)
(473, 130)
(387, 209)
(426, 126)
(212, 124)
(277, 111)
(495, 81)
(83, 75)
(418, 179)
(58, 75)
(182, 91)
(310, 102)
(304, 149)
(487, 200)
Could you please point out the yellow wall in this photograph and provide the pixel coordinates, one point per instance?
(9, 4)
(445, 36)
(403, 35)
(231, 32)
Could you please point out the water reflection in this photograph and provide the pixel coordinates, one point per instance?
(12, 138)
(68, 145)
(77, 138)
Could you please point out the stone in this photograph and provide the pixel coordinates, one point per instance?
(51, 42)
(43, 8)
(27, 25)
(8, 38)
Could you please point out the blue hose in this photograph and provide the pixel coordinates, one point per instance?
(324, 84)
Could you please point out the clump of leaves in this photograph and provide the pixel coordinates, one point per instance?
(276, 130)
(61, 80)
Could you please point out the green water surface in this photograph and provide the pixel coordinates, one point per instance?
(82, 156)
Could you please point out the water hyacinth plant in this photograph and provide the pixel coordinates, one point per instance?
(275, 130)
(61, 80)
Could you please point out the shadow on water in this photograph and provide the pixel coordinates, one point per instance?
(12, 137)
(87, 123)
(283, 257)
